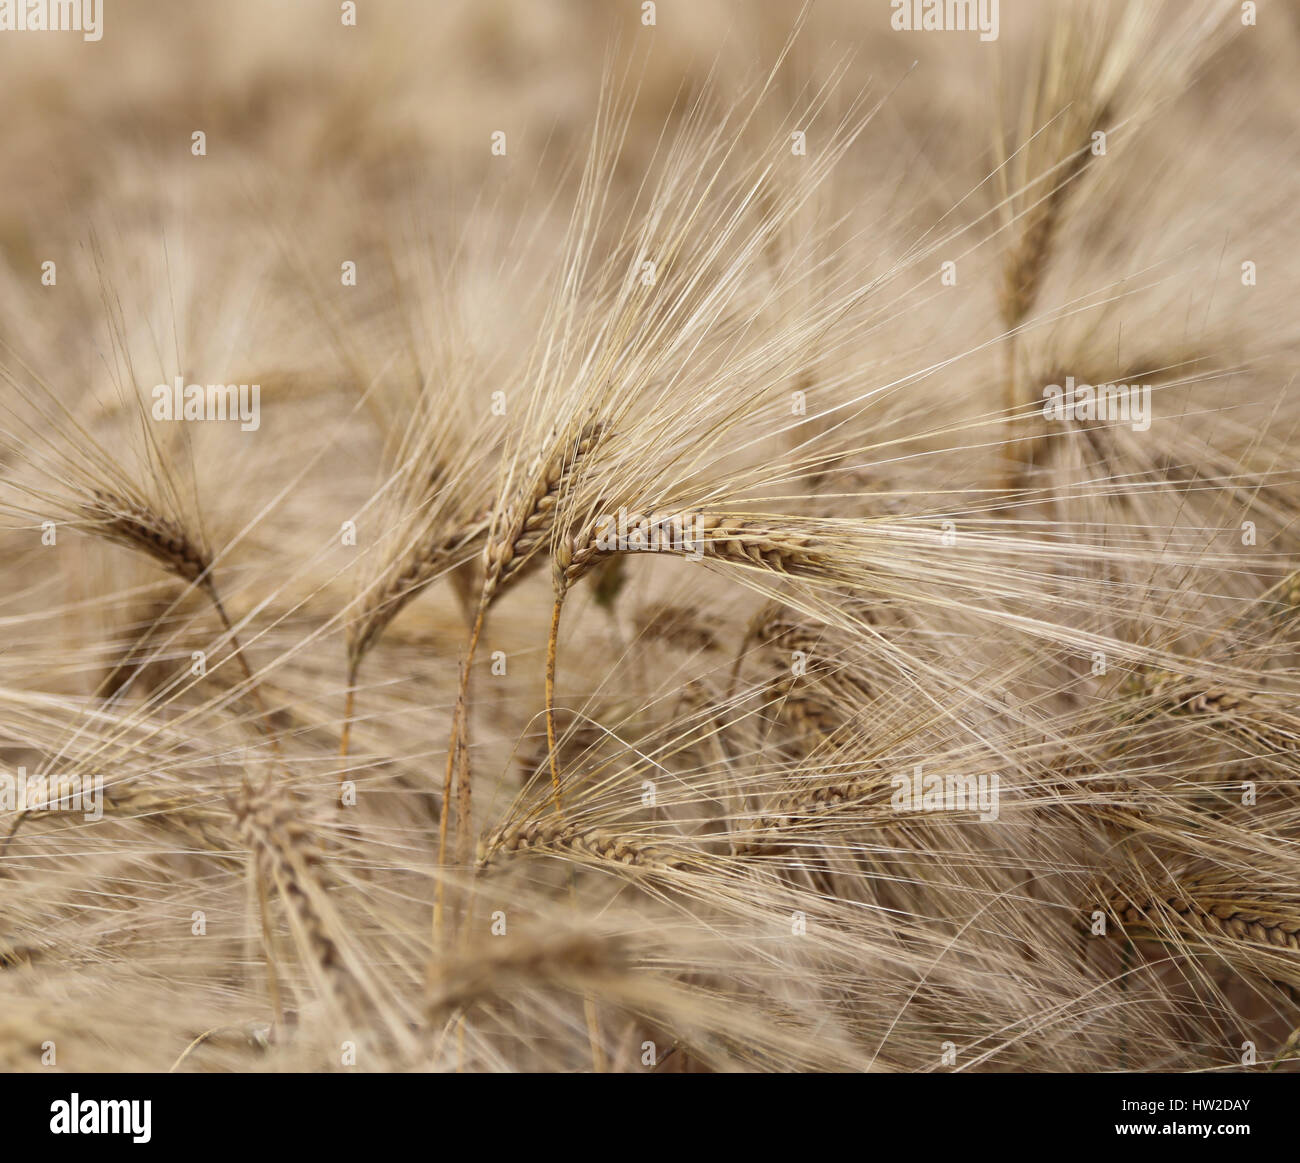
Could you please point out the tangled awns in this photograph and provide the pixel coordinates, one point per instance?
(711, 537)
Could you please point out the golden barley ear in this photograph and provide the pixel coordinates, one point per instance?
(1253, 926)
(556, 836)
(529, 520)
(770, 545)
(137, 526)
(288, 858)
(800, 815)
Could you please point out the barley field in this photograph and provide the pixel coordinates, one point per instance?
(574, 536)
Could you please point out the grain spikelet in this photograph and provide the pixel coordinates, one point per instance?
(593, 845)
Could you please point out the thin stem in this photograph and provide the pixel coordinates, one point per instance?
(349, 706)
(1010, 403)
(464, 787)
(248, 671)
(589, 1012)
(551, 650)
(454, 743)
(272, 981)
